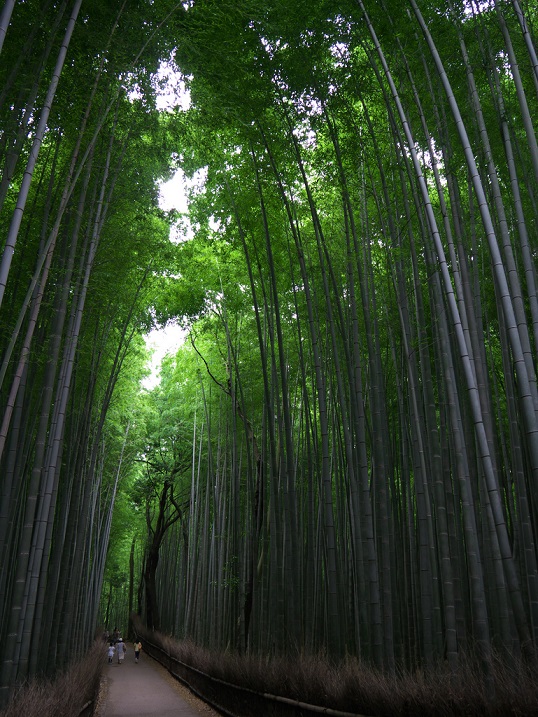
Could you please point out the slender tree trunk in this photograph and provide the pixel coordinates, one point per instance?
(11, 240)
(5, 17)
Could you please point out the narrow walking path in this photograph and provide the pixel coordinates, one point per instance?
(145, 689)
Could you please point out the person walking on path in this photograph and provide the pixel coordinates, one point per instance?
(121, 650)
(137, 648)
(147, 689)
(110, 652)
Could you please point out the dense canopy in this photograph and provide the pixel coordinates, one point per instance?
(342, 457)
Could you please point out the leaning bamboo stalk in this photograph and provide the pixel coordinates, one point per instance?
(39, 556)
(11, 240)
(472, 391)
(77, 165)
(526, 397)
(528, 40)
(5, 17)
(25, 352)
(17, 603)
(15, 144)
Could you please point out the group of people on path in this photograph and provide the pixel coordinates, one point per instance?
(117, 647)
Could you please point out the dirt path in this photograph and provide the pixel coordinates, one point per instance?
(145, 689)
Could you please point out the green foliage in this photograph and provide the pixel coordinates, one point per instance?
(329, 444)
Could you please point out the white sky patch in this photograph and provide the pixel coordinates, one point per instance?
(172, 91)
(471, 7)
(161, 342)
(173, 194)
(170, 87)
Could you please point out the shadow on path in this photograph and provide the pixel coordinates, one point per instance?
(141, 690)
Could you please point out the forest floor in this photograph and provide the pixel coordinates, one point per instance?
(146, 689)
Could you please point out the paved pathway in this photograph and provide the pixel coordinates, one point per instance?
(143, 689)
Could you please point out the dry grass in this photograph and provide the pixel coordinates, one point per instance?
(356, 688)
(65, 695)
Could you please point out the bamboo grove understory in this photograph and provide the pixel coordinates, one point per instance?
(342, 457)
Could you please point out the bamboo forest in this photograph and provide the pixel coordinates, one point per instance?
(339, 456)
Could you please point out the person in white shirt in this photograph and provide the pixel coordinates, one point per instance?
(120, 650)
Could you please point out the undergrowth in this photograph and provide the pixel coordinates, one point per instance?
(356, 688)
(65, 695)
